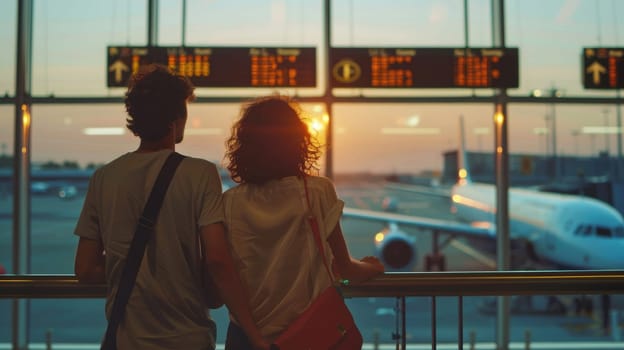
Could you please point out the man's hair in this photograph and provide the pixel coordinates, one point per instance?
(155, 98)
(270, 141)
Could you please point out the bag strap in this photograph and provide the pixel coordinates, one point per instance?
(315, 228)
(137, 247)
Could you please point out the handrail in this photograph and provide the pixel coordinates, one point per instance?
(482, 283)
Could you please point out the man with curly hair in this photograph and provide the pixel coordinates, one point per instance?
(167, 308)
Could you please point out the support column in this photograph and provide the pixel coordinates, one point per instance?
(21, 169)
(152, 22)
(502, 182)
(618, 110)
(329, 156)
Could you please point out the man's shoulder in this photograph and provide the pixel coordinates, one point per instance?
(200, 165)
(199, 162)
(110, 165)
(198, 169)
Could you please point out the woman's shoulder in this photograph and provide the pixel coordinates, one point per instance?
(232, 191)
(320, 181)
(323, 185)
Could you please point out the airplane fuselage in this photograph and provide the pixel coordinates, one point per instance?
(569, 231)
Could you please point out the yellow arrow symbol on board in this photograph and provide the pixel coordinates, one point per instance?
(595, 69)
(118, 67)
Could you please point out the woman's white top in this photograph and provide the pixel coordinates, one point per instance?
(273, 245)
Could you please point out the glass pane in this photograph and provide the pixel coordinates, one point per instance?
(551, 40)
(68, 141)
(8, 25)
(410, 24)
(70, 39)
(170, 22)
(6, 211)
(584, 138)
(6, 179)
(283, 23)
(68, 323)
(271, 23)
(405, 139)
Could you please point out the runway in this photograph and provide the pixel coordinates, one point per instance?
(82, 321)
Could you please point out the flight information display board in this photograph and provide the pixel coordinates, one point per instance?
(424, 67)
(603, 68)
(219, 66)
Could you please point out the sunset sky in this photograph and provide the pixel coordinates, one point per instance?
(70, 39)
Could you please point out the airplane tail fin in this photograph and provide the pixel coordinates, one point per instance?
(463, 168)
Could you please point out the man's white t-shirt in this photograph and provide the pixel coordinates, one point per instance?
(273, 245)
(166, 309)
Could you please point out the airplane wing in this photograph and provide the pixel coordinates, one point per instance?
(426, 190)
(455, 228)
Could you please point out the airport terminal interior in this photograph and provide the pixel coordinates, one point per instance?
(477, 145)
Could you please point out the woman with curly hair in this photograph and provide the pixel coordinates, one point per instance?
(269, 153)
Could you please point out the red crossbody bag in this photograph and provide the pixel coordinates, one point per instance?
(327, 323)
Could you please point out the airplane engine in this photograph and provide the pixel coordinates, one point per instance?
(395, 249)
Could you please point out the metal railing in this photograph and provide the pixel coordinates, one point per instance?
(482, 283)
(399, 285)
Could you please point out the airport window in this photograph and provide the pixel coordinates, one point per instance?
(372, 143)
(6, 209)
(420, 23)
(78, 69)
(407, 24)
(6, 179)
(407, 139)
(551, 41)
(5, 319)
(69, 141)
(584, 145)
(289, 23)
(8, 23)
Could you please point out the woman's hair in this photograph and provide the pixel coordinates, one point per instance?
(155, 98)
(270, 141)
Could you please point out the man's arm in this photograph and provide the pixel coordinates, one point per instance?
(89, 263)
(221, 265)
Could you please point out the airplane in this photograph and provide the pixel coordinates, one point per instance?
(563, 230)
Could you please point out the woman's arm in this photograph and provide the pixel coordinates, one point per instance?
(348, 267)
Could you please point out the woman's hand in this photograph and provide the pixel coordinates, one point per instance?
(260, 344)
(374, 263)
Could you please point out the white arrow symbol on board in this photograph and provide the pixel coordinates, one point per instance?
(118, 67)
(596, 69)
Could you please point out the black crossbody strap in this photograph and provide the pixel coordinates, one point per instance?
(137, 247)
